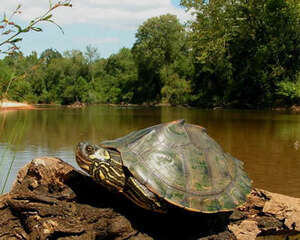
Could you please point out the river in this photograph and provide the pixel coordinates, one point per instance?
(267, 142)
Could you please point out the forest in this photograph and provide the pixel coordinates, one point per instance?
(234, 53)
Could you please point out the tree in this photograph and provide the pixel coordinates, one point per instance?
(49, 54)
(243, 49)
(77, 91)
(117, 83)
(10, 37)
(265, 50)
(159, 42)
(75, 64)
(176, 90)
(92, 55)
(6, 76)
(209, 38)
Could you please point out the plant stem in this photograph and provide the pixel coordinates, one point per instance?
(13, 139)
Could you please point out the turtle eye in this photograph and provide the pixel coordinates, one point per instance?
(89, 149)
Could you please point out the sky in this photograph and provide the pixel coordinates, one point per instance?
(105, 24)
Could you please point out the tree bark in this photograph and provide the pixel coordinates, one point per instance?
(50, 199)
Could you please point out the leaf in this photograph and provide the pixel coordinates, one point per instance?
(56, 25)
(25, 29)
(16, 40)
(7, 32)
(18, 27)
(47, 17)
(37, 29)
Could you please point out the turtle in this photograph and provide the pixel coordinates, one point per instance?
(173, 164)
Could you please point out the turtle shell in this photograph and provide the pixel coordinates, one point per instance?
(182, 164)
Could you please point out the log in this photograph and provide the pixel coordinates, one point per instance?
(50, 199)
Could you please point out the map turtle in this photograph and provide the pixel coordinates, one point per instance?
(172, 163)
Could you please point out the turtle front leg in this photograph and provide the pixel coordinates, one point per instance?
(142, 197)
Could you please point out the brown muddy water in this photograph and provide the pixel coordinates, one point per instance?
(267, 142)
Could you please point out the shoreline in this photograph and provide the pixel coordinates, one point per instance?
(6, 105)
(293, 109)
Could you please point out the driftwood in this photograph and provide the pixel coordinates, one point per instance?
(52, 200)
(76, 105)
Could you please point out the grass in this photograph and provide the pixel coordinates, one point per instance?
(13, 139)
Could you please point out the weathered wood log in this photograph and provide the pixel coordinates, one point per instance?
(52, 200)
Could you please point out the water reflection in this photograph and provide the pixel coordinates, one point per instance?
(265, 141)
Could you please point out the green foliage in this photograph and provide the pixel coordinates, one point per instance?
(91, 55)
(77, 91)
(118, 81)
(160, 41)
(6, 76)
(175, 90)
(19, 90)
(243, 50)
(49, 54)
(238, 53)
(289, 91)
(64, 79)
(10, 37)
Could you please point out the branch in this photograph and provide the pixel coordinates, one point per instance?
(13, 30)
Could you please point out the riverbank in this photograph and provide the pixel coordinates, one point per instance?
(293, 109)
(12, 105)
(6, 105)
(50, 199)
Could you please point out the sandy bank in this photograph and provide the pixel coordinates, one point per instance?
(11, 105)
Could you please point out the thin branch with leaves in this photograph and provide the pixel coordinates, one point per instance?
(11, 31)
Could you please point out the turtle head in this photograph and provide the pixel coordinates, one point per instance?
(98, 162)
(87, 155)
